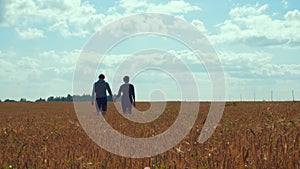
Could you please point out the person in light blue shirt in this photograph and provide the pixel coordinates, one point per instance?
(100, 88)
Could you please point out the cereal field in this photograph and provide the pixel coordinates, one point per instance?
(250, 135)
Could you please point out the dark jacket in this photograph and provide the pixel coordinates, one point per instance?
(100, 87)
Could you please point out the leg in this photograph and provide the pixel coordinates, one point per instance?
(103, 105)
(130, 106)
(98, 106)
(126, 105)
(123, 106)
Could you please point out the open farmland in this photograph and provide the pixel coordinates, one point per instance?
(250, 135)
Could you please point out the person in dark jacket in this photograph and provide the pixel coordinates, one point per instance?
(128, 95)
(100, 87)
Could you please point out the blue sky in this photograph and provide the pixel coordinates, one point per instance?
(258, 43)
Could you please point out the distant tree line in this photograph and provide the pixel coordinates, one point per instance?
(68, 98)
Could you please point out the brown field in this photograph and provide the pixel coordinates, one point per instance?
(250, 135)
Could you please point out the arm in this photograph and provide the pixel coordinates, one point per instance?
(109, 90)
(133, 95)
(93, 94)
(119, 92)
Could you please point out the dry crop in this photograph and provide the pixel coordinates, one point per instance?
(250, 135)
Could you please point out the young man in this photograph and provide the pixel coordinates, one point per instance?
(100, 87)
(128, 96)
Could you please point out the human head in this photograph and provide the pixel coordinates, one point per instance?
(101, 76)
(126, 79)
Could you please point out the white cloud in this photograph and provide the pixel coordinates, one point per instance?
(50, 64)
(24, 69)
(154, 58)
(256, 65)
(286, 71)
(142, 23)
(171, 7)
(7, 69)
(138, 23)
(59, 5)
(50, 54)
(76, 18)
(292, 16)
(253, 26)
(68, 17)
(59, 58)
(7, 54)
(255, 58)
(199, 25)
(237, 65)
(245, 11)
(30, 33)
(243, 63)
(187, 56)
(26, 63)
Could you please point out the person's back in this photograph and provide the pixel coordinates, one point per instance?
(100, 87)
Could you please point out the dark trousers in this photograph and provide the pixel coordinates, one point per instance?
(101, 104)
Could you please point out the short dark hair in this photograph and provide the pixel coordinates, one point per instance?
(126, 79)
(101, 76)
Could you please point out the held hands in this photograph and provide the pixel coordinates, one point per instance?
(114, 98)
